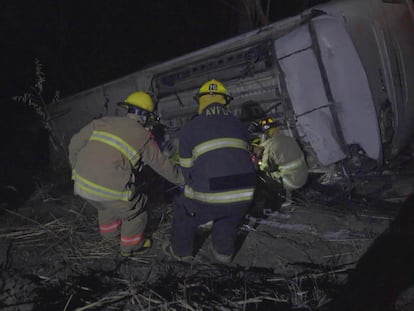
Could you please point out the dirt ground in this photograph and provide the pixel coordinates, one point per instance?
(52, 258)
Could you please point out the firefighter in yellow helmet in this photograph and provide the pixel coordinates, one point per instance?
(219, 175)
(282, 159)
(212, 91)
(106, 158)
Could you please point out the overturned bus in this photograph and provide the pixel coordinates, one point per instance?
(336, 76)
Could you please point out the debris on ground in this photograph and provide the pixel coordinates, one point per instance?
(52, 258)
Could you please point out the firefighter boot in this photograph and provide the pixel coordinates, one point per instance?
(167, 249)
(140, 250)
(221, 258)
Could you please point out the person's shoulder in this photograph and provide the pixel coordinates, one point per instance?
(193, 122)
(287, 137)
(125, 123)
(125, 120)
(282, 137)
(235, 121)
(111, 119)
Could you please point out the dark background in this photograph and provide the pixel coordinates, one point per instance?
(84, 43)
(81, 44)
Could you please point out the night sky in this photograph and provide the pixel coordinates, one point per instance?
(85, 43)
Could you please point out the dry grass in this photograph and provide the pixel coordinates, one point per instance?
(65, 237)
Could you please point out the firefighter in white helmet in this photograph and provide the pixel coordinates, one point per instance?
(282, 159)
(219, 174)
(106, 156)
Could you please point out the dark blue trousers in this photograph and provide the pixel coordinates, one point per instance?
(189, 214)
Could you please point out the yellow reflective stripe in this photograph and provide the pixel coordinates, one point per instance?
(288, 183)
(290, 166)
(214, 144)
(218, 143)
(73, 174)
(186, 162)
(220, 197)
(117, 143)
(100, 191)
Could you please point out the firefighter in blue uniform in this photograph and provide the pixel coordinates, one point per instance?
(219, 176)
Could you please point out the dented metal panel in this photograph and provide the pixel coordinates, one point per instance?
(323, 70)
(307, 94)
(349, 86)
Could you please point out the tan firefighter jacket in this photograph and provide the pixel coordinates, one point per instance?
(105, 153)
(284, 160)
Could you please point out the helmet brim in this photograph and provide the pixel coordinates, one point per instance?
(123, 105)
(226, 96)
(126, 105)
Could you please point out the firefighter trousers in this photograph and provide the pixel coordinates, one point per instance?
(125, 218)
(269, 195)
(189, 214)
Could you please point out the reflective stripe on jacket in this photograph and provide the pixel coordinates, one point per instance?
(119, 144)
(288, 169)
(292, 165)
(220, 197)
(210, 145)
(95, 192)
(289, 184)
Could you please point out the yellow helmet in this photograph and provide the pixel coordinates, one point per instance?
(141, 100)
(269, 126)
(213, 87)
(267, 123)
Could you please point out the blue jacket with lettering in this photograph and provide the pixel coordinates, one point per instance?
(214, 157)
